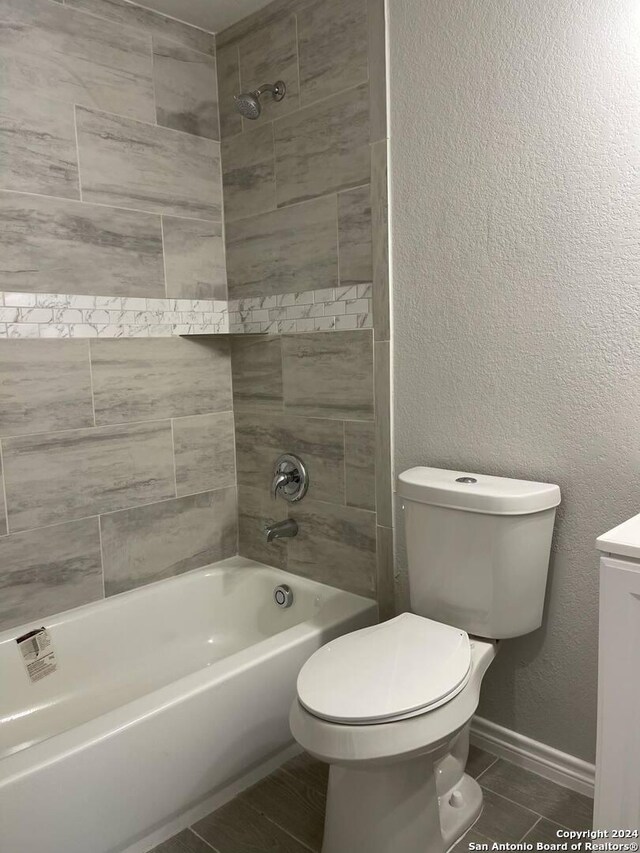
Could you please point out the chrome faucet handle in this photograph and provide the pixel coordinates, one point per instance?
(279, 482)
(290, 479)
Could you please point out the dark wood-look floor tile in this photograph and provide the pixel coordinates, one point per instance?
(239, 828)
(552, 801)
(503, 820)
(478, 761)
(544, 832)
(309, 770)
(470, 837)
(292, 804)
(184, 842)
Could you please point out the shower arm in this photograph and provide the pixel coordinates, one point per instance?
(276, 89)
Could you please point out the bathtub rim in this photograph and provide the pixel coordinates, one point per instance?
(106, 725)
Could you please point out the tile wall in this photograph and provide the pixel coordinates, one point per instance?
(116, 456)
(110, 179)
(305, 221)
(118, 467)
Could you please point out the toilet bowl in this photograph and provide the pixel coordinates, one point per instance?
(389, 707)
(395, 730)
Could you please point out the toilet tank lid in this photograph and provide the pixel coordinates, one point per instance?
(476, 492)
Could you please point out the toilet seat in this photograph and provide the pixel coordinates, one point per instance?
(399, 669)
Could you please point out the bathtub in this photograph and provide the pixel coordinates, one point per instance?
(163, 699)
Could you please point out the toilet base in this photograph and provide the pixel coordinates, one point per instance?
(459, 809)
(396, 809)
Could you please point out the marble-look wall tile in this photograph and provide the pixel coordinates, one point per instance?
(63, 55)
(323, 148)
(255, 510)
(354, 236)
(205, 452)
(261, 438)
(194, 259)
(248, 173)
(186, 89)
(147, 379)
(165, 539)
(57, 246)
(284, 250)
(385, 572)
(44, 386)
(130, 164)
(123, 12)
(60, 476)
(267, 55)
(359, 456)
(45, 571)
(333, 47)
(3, 508)
(38, 144)
(228, 67)
(377, 69)
(328, 374)
(334, 545)
(256, 367)
(380, 232)
(384, 488)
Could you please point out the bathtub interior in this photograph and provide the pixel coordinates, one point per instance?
(113, 652)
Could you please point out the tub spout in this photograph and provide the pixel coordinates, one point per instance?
(281, 530)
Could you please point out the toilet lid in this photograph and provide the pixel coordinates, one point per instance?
(398, 669)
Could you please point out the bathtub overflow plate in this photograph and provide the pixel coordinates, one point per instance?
(283, 595)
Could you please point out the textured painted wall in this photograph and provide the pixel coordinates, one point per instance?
(515, 219)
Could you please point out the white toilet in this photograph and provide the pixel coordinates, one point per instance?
(389, 707)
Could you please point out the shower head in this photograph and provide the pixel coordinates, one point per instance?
(248, 103)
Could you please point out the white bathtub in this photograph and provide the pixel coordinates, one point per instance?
(162, 697)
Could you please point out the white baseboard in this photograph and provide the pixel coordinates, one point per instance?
(216, 801)
(544, 760)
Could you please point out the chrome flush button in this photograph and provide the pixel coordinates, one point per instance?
(466, 480)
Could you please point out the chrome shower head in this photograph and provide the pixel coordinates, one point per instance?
(248, 103)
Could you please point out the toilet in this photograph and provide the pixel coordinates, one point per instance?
(389, 707)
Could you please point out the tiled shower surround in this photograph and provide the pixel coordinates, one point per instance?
(306, 248)
(118, 457)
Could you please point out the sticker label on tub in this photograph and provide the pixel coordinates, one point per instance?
(37, 653)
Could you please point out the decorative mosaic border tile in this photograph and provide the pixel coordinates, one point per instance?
(330, 309)
(58, 315)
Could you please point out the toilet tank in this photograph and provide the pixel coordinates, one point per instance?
(478, 549)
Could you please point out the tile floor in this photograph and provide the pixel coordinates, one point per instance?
(284, 812)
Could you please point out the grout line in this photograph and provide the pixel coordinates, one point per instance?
(104, 585)
(121, 509)
(4, 490)
(173, 454)
(295, 18)
(531, 828)
(487, 768)
(275, 822)
(75, 129)
(155, 126)
(275, 168)
(93, 396)
(164, 260)
(320, 101)
(197, 835)
(513, 802)
(138, 27)
(344, 460)
(119, 423)
(109, 206)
